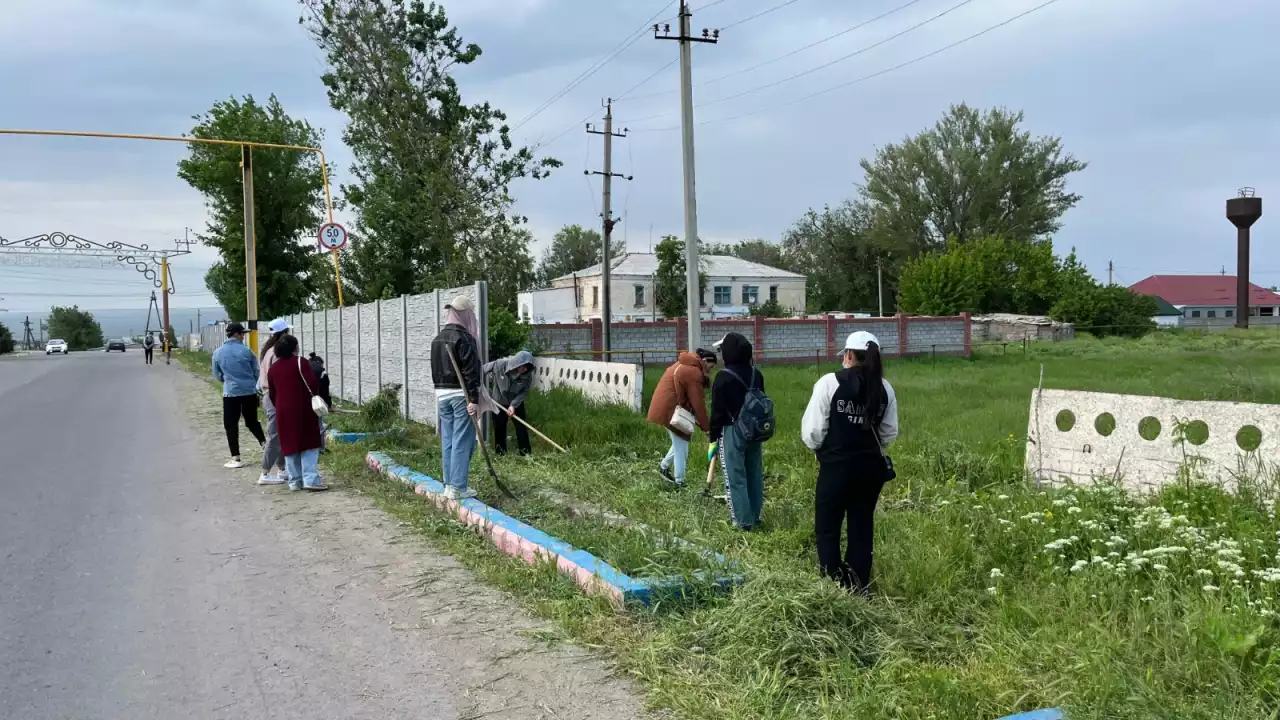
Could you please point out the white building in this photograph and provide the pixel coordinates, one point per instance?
(733, 286)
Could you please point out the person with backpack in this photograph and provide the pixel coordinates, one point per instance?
(852, 417)
(322, 375)
(679, 405)
(741, 420)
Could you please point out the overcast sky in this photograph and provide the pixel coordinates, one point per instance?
(1172, 103)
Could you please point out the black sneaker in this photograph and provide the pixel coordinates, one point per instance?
(669, 478)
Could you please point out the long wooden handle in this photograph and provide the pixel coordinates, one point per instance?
(538, 433)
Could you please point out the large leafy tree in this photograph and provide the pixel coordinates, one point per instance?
(574, 248)
(77, 327)
(287, 199)
(503, 260)
(669, 284)
(836, 250)
(757, 250)
(972, 175)
(432, 173)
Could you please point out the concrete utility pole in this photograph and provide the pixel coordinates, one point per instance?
(880, 286)
(1110, 269)
(1243, 212)
(250, 249)
(686, 39)
(608, 173)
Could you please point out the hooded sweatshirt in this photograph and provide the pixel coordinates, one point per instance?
(728, 392)
(505, 386)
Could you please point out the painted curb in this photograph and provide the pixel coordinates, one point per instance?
(514, 537)
(350, 438)
(1050, 714)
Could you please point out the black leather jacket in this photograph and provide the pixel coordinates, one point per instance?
(467, 354)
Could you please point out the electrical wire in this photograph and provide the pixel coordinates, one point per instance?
(631, 39)
(762, 13)
(655, 74)
(864, 78)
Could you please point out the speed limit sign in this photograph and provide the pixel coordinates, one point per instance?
(332, 236)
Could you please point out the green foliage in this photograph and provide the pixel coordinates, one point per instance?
(670, 284)
(6, 339)
(503, 260)
(973, 175)
(940, 284)
(1107, 310)
(382, 412)
(287, 199)
(431, 173)
(757, 250)
(76, 326)
(507, 333)
(574, 248)
(834, 249)
(770, 309)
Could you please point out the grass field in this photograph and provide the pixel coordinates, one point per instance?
(993, 597)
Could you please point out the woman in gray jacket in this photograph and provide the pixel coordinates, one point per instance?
(507, 381)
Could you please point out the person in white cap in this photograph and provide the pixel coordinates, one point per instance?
(272, 458)
(457, 436)
(851, 419)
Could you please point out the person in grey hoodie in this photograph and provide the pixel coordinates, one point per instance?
(507, 381)
(236, 367)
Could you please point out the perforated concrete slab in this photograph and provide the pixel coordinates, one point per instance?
(616, 383)
(1067, 437)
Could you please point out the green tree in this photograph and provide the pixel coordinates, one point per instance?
(770, 308)
(940, 284)
(431, 172)
(757, 250)
(508, 334)
(669, 283)
(972, 175)
(1107, 310)
(504, 261)
(77, 327)
(287, 199)
(574, 248)
(6, 339)
(835, 250)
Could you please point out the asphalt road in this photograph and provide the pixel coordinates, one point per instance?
(139, 579)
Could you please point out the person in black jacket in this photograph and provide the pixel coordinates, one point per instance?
(456, 397)
(741, 462)
(322, 376)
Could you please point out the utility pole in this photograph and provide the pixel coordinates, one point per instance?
(164, 325)
(1110, 269)
(250, 249)
(608, 174)
(686, 38)
(880, 286)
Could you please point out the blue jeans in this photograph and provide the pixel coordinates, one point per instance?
(677, 455)
(302, 468)
(457, 441)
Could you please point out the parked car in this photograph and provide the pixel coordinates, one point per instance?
(115, 345)
(56, 346)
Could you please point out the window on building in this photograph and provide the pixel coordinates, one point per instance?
(1231, 313)
(1195, 313)
(595, 297)
(750, 294)
(1212, 313)
(1267, 311)
(723, 294)
(639, 296)
(773, 293)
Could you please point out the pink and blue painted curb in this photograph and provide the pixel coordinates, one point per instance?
(514, 537)
(350, 438)
(1050, 714)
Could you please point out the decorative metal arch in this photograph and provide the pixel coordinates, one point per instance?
(64, 249)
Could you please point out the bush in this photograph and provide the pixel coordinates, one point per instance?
(939, 284)
(507, 333)
(6, 340)
(1107, 310)
(770, 309)
(382, 411)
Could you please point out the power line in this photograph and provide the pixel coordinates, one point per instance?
(642, 82)
(762, 13)
(631, 39)
(862, 79)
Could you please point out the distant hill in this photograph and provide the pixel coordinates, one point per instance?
(121, 323)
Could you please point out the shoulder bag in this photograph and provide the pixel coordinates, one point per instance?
(889, 472)
(317, 403)
(682, 420)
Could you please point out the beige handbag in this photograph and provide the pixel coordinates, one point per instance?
(682, 421)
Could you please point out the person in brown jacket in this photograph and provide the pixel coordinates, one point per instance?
(681, 386)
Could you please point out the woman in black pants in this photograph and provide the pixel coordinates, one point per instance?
(236, 367)
(851, 419)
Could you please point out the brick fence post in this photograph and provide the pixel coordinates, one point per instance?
(831, 336)
(757, 334)
(968, 334)
(682, 334)
(597, 337)
(903, 343)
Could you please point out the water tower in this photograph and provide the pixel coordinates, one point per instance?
(1243, 211)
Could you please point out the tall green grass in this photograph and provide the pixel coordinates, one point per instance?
(993, 597)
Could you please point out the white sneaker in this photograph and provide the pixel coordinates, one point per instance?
(454, 493)
(265, 479)
(233, 463)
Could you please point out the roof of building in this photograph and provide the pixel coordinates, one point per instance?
(1202, 290)
(715, 266)
(1164, 308)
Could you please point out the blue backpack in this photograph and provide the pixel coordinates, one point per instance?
(755, 421)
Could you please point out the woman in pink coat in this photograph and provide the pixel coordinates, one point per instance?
(291, 385)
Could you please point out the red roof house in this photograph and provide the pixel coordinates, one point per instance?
(1203, 291)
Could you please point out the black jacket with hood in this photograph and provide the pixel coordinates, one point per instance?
(727, 393)
(468, 357)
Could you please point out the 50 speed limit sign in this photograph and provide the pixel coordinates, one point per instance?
(332, 236)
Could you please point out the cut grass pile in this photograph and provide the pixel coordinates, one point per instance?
(993, 597)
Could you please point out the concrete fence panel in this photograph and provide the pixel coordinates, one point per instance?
(615, 383)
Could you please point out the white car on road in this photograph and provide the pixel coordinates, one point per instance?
(56, 346)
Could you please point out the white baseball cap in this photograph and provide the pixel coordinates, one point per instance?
(716, 345)
(860, 340)
(462, 303)
(278, 325)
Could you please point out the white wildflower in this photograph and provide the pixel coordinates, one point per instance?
(1002, 497)
(1073, 510)
(1204, 572)
(991, 590)
(1160, 568)
(995, 573)
(1080, 565)
(1210, 588)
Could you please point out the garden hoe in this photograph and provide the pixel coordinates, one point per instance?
(484, 449)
